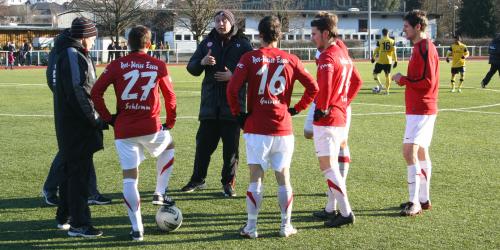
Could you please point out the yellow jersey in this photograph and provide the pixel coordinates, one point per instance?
(385, 50)
(458, 52)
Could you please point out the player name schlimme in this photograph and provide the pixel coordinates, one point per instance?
(136, 106)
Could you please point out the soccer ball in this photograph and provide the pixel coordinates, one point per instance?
(168, 219)
(376, 90)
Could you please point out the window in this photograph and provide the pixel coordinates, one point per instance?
(178, 37)
(362, 25)
(355, 37)
(187, 37)
(344, 3)
(378, 37)
(362, 37)
(290, 37)
(307, 37)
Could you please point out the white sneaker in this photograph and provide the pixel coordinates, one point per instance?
(64, 226)
(248, 233)
(287, 230)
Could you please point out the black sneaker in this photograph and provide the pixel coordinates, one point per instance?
(85, 231)
(228, 190)
(191, 186)
(163, 200)
(98, 199)
(411, 209)
(50, 198)
(483, 85)
(136, 235)
(324, 215)
(340, 221)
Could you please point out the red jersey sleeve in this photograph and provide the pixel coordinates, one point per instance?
(310, 85)
(97, 93)
(325, 79)
(354, 85)
(236, 83)
(425, 78)
(167, 90)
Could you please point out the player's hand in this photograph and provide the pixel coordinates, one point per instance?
(318, 114)
(447, 60)
(242, 118)
(397, 78)
(164, 126)
(208, 59)
(292, 111)
(395, 65)
(372, 60)
(113, 120)
(101, 124)
(463, 57)
(223, 76)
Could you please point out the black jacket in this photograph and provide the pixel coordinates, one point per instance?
(494, 51)
(78, 128)
(213, 94)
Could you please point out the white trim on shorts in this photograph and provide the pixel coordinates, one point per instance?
(327, 140)
(269, 151)
(131, 150)
(419, 129)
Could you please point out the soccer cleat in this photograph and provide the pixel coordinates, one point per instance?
(287, 230)
(459, 90)
(452, 90)
(249, 234)
(191, 186)
(64, 226)
(324, 215)
(411, 209)
(163, 200)
(426, 205)
(483, 85)
(98, 199)
(136, 235)
(157, 199)
(228, 190)
(340, 221)
(50, 198)
(85, 231)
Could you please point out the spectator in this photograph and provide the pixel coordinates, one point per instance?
(494, 60)
(118, 49)
(111, 53)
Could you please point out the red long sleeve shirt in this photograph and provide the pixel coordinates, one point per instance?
(422, 80)
(339, 83)
(137, 79)
(270, 74)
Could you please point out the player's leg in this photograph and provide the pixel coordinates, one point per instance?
(53, 180)
(491, 72)
(452, 81)
(425, 178)
(462, 77)
(164, 169)
(387, 82)
(253, 201)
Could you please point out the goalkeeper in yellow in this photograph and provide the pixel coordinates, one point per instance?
(386, 56)
(458, 52)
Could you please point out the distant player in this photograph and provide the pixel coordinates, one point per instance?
(339, 82)
(386, 58)
(458, 52)
(137, 80)
(270, 74)
(422, 86)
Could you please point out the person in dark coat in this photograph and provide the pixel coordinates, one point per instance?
(494, 60)
(217, 56)
(78, 127)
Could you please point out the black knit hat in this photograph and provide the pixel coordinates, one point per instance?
(82, 27)
(227, 14)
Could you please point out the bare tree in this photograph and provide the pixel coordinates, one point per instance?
(159, 22)
(281, 9)
(114, 16)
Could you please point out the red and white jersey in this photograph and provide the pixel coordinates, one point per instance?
(137, 79)
(339, 82)
(270, 74)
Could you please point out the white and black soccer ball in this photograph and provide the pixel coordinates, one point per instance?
(168, 219)
(376, 90)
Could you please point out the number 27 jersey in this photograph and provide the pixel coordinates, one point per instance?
(137, 79)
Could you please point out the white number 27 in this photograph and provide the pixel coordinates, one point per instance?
(134, 76)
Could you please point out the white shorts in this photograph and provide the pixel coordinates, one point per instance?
(269, 151)
(327, 140)
(131, 150)
(308, 125)
(419, 129)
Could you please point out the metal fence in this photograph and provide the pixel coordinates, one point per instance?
(180, 56)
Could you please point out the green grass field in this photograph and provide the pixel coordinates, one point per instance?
(465, 183)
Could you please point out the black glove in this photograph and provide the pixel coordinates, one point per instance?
(101, 124)
(113, 119)
(318, 114)
(447, 59)
(164, 127)
(372, 60)
(292, 111)
(395, 65)
(463, 57)
(242, 118)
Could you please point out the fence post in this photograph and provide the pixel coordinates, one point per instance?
(176, 53)
(38, 58)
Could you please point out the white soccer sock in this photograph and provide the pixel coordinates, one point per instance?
(413, 182)
(336, 184)
(331, 204)
(285, 199)
(254, 200)
(425, 181)
(344, 160)
(164, 168)
(133, 203)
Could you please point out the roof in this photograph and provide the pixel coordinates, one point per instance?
(27, 27)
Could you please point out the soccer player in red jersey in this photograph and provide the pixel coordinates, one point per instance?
(270, 74)
(339, 82)
(421, 94)
(137, 79)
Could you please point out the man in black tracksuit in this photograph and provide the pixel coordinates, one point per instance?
(494, 60)
(78, 128)
(217, 56)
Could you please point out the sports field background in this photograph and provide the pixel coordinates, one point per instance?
(465, 179)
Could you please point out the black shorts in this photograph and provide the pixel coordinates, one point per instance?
(458, 70)
(379, 67)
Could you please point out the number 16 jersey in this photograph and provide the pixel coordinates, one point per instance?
(270, 73)
(137, 79)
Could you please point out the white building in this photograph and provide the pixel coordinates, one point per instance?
(20, 2)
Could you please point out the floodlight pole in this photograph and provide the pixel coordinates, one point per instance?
(369, 28)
